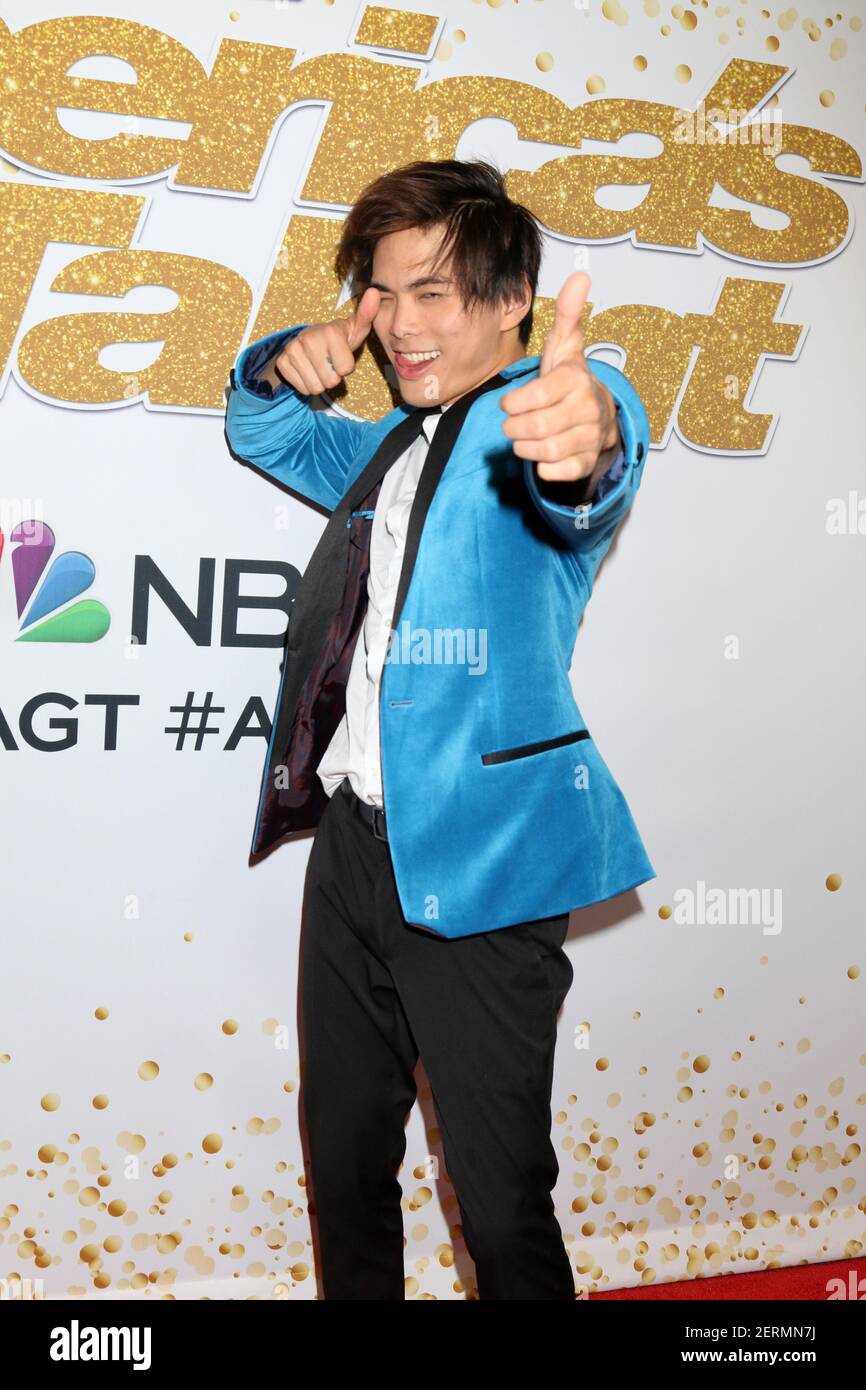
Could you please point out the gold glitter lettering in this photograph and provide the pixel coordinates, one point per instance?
(60, 357)
(30, 217)
(168, 85)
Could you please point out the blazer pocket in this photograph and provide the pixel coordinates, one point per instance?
(526, 750)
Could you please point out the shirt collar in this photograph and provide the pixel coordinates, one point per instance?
(429, 423)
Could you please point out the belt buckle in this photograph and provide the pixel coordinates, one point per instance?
(377, 812)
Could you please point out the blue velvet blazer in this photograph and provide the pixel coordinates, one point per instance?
(498, 802)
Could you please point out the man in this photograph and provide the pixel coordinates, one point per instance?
(462, 806)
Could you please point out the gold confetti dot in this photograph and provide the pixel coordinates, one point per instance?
(203, 1081)
(148, 1071)
(701, 1063)
(212, 1143)
(665, 912)
(853, 972)
(544, 61)
(100, 1102)
(613, 10)
(595, 85)
(230, 1027)
(100, 1013)
(833, 882)
(682, 72)
(130, 1143)
(51, 1101)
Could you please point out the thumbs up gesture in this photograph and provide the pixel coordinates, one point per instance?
(318, 358)
(565, 418)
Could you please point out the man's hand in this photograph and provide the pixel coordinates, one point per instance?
(565, 419)
(321, 356)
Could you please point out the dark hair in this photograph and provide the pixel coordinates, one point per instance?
(495, 241)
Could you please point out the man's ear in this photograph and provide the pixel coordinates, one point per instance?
(520, 303)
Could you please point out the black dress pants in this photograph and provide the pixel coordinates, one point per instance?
(481, 1011)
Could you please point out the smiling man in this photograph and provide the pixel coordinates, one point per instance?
(459, 820)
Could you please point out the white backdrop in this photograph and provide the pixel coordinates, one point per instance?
(709, 1119)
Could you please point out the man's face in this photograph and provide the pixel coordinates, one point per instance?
(420, 315)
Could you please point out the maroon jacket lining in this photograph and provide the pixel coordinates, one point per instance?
(321, 702)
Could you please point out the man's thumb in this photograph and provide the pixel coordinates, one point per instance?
(565, 333)
(362, 320)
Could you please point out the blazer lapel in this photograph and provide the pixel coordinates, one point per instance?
(392, 446)
(435, 463)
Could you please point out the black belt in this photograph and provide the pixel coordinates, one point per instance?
(373, 816)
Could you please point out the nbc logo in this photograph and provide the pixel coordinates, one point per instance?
(46, 590)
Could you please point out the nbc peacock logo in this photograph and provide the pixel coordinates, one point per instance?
(44, 592)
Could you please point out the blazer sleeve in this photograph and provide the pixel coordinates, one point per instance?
(588, 529)
(279, 432)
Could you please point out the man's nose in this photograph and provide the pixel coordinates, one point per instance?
(405, 321)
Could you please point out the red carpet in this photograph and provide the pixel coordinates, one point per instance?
(807, 1282)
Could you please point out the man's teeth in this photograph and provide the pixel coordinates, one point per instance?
(418, 356)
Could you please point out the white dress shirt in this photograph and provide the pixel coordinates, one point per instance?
(354, 749)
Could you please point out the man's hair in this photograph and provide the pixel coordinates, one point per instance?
(495, 241)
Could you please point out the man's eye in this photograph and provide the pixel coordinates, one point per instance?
(431, 294)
